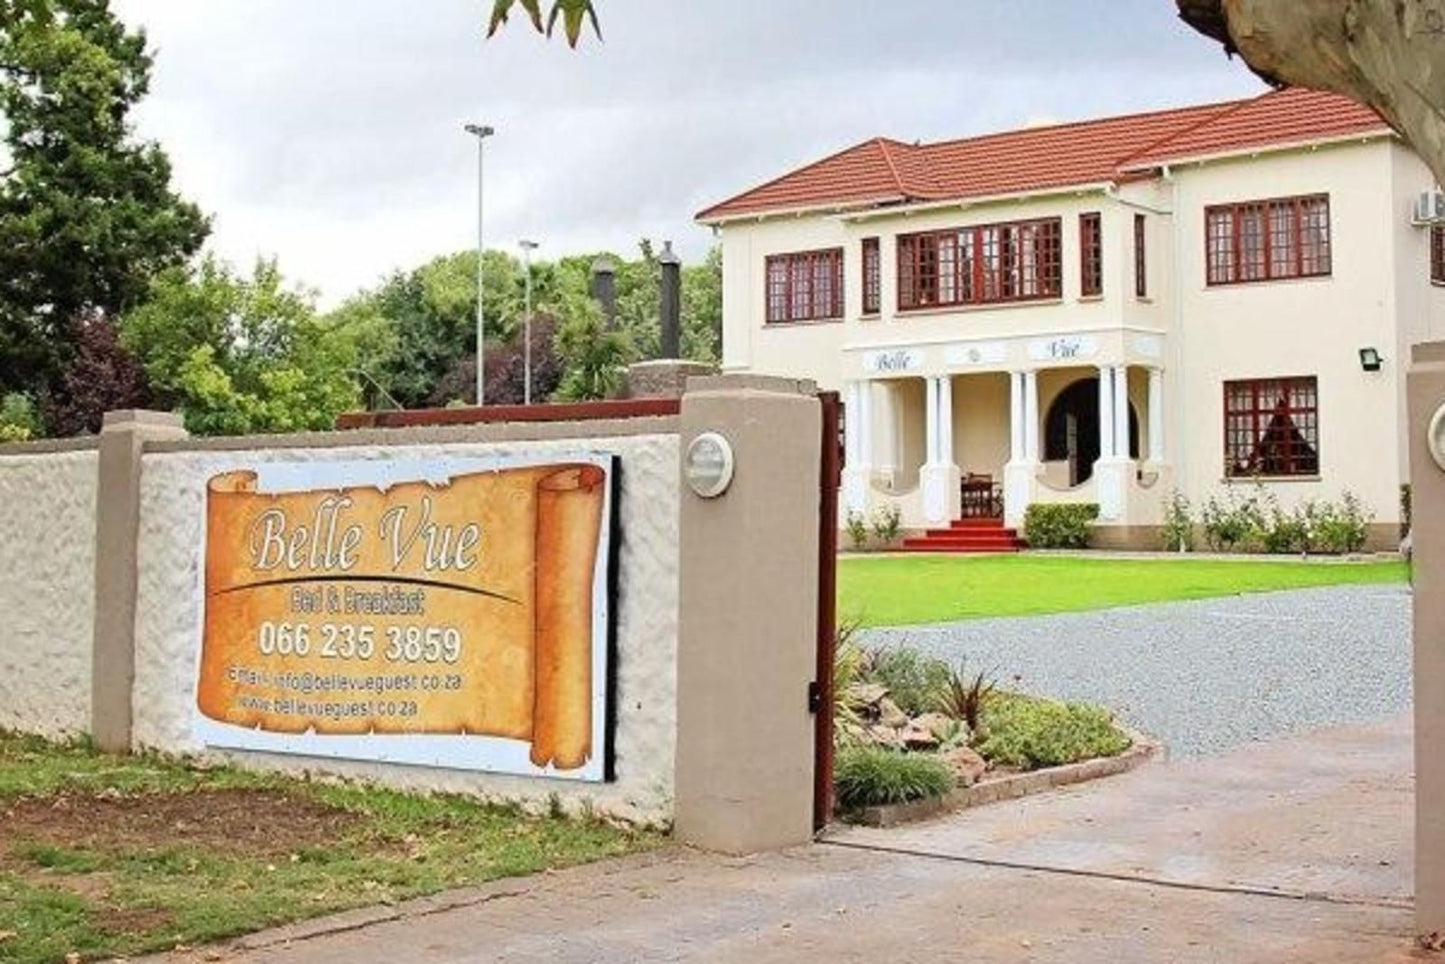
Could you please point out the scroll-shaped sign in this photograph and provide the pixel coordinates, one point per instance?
(449, 613)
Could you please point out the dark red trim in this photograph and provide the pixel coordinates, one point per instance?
(830, 478)
(490, 414)
(1091, 254)
(979, 265)
(1228, 262)
(1141, 272)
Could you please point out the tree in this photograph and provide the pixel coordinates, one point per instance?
(593, 359)
(1383, 53)
(571, 12)
(100, 376)
(506, 373)
(87, 215)
(702, 308)
(238, 355)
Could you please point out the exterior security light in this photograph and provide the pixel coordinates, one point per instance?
(1435, 437)
(709, 465)
(1370, 359)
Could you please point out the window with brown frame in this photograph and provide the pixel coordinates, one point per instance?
(872, 292)
(1437, 253)
(1141, 275)
(805, 286)
(985, 264)
(1091, 254)
(1271, 427)
(1267, 240)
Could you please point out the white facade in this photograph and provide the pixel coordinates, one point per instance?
(934, 394)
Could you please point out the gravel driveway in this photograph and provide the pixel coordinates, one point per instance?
(1207, 675)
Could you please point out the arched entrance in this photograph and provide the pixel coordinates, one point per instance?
(1071, 429)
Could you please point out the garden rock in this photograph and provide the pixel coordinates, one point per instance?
(917, 737)
(885, 736)
(867, 694)
(939, 724)
(965, 763)
(890, 715)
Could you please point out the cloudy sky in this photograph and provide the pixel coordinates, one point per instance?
(329, 133)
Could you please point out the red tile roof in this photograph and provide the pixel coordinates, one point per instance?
(882, 171)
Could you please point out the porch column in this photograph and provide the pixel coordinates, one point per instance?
(1106, 413)
(1016, 416)
(1156, 415)
(886, 449)
(1031, 416)
(939, 475)
(1121, 412)
(1020, 474)
(856, 418)
(1112, 471)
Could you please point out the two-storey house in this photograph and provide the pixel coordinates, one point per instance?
(1105, 312)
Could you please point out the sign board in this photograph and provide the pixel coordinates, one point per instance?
(1063, 348)
(450, 612)
(892, 360)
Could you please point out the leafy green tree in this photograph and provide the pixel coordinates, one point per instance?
(238, 355)
(571, 13)
(87, 214)
(702, 309)
(594, 360)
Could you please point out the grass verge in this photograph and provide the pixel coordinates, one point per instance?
(890, 590)
(105, 856)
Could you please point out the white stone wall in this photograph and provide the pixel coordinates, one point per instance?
(47, 595)
(169, 613)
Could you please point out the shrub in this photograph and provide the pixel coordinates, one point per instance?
(1178, 523)
(865, 776)
(849, 661)
(19, 419)
(963, 697)
(914, 682)
(1029, 733)
(1235, 524)
(1287, 531)
(1339, 528)
(857, 528)
(888, 523)
(1059, 526)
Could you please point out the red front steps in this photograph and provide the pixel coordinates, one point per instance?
(967, 535)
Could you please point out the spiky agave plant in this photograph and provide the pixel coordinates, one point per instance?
(963, 696)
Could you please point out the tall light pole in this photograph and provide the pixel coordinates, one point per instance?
(481, 132)
(527, 248)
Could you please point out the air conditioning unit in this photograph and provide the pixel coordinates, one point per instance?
(1430, 207)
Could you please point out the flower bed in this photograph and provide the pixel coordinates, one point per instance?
(911, 728)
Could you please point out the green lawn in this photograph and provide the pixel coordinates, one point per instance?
(896, 590)
(104, 856)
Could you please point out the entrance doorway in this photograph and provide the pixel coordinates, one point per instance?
(1071, 430)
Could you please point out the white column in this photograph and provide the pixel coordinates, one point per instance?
(887, 445)
(865, 423)
(1121, 412)
(945, 419)
(1016, 416)
(1106, 413)
(855, 468)
(1156, 415)
(930, 410)
(1031, 416)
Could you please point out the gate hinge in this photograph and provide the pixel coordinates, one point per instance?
(815, 697)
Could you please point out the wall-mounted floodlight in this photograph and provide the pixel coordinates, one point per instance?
(1370, 359)
(709, 465)
(1435, 437)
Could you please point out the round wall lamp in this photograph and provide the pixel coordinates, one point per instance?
(1435, 437)
(708, 465)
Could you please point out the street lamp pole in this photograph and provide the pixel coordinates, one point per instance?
(527, 248)
(481, 132)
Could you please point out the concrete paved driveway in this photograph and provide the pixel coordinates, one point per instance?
(1293, 850)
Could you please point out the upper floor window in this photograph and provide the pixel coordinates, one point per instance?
(1141, 274)
(1015, 261)
(872, 292)
(1437, 253)
(1091, 254)
(1271, 427)
(1267, 240)
(805, 286)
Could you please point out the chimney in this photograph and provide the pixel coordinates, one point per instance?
(671, 290)
(604, 289)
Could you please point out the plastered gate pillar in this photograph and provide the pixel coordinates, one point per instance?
(1426, 390)
(117, 525)
(747, 627)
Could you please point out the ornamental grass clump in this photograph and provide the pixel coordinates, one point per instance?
(1029, 733)
(914, 682)
(870, 776)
